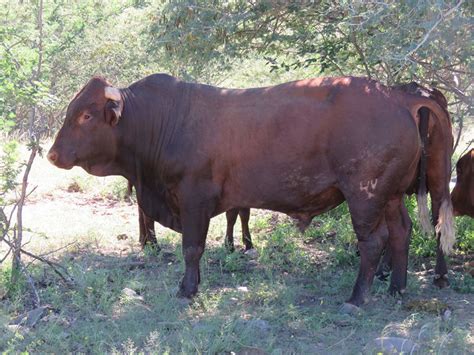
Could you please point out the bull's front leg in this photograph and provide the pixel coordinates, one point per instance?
(195, 222)
(147, 230)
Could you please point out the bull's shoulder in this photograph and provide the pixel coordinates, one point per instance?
(158, 79)
(172, 85)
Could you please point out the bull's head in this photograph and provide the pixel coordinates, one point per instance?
(462, 195)
(88, 137)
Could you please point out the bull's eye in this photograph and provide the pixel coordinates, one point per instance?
(84, 118)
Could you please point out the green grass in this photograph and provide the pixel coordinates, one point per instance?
(283, 301)
(286, 300)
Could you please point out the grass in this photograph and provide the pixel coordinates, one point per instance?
(284, 300)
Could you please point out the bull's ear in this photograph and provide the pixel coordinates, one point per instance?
(114, 105)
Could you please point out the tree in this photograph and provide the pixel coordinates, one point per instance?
(391, 41)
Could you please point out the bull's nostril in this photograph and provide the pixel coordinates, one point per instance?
(52, 156)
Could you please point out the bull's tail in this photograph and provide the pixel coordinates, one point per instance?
(441, 202)
(422, 200)
(424, 213)
(445, 226)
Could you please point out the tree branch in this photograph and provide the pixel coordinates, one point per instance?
(427, 35)
(19, 237)
(361, 54)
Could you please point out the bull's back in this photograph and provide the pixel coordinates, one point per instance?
(304, 138)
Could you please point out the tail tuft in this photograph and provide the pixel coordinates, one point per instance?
(423, 213)
(445, 226)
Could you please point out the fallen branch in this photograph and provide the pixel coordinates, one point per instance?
(67, 279)
(58, 249)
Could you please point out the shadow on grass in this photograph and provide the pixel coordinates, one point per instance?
(285, 300)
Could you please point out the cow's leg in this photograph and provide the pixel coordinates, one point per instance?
(372, 234)
(147, 230)
(195, 220)
(244, 214)
(399, 226)
(231, 217)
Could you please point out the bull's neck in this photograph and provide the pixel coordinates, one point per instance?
(149, 124)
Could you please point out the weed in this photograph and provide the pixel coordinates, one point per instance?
(115, 190)
(462, 283)
(79, 184)
(465, 233)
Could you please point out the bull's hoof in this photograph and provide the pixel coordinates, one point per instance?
(395, 291)
(441, 281)
(152, 245)
(252, 253)
(184, 302)
(349, 308)
(151, 249)
(382, 275)
(186, 292)
(248, 247)
(229, 248)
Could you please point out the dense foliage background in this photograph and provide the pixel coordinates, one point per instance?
(49, 49)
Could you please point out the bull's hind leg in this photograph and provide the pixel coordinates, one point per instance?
(244, 214)
(399, 227)
(231, 217)
(372, 234)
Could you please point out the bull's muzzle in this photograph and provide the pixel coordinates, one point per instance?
(52, 157)
(61, 160)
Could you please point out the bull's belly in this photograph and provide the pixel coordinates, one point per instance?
(302, 204)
